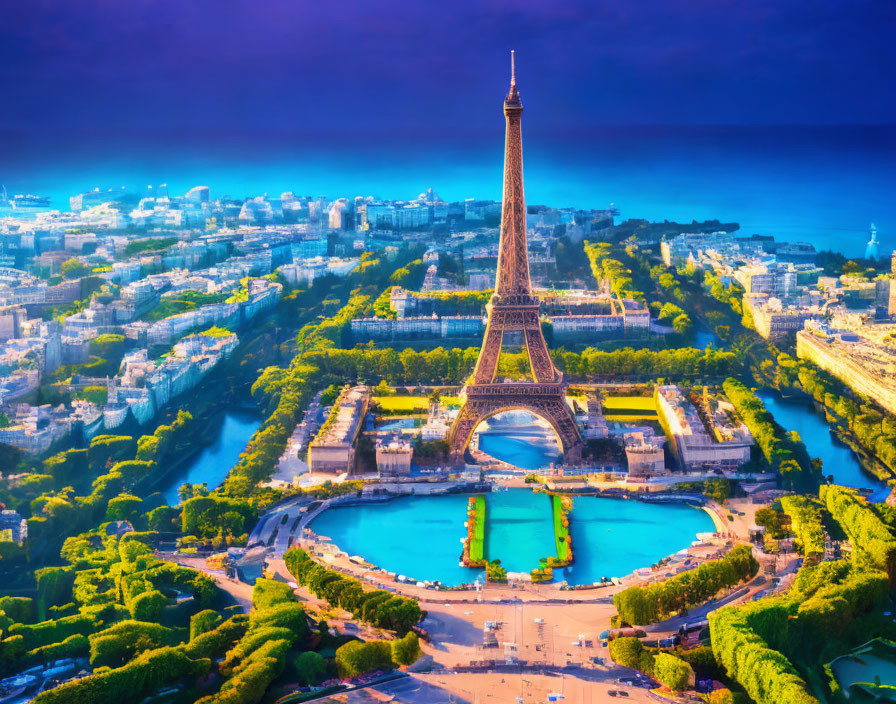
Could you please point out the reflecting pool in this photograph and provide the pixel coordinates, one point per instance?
(614, 537)
(837, 458)
(216, 460)
(420, 537)
(519, 529)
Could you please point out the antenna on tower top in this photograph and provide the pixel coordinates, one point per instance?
(512, 69)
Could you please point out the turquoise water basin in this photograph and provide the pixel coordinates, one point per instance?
(420, 537)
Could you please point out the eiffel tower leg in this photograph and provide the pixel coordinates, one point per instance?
(461, 432)
(487, 364)
(543, 369)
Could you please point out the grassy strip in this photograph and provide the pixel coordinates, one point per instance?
(629, 417)
(561, 530)
(629, 404)
(392, 405)
(561, 506)
(477, 544)
(474, 545)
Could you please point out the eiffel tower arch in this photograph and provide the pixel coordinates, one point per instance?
(513, 312)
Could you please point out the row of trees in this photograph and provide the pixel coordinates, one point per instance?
(453, 366)
(643, 363)
(378, 607)
(871, 538)
(783, 451)
(658, 601)
(605, 268)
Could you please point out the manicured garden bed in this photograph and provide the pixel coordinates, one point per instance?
(474, 546)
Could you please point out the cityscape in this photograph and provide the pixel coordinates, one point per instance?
(280, 448)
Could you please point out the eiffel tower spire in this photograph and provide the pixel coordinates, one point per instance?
(513, 95)
(513, 255)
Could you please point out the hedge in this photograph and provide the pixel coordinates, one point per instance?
(805, 522)
(19, 608)
(631, 653)
(54, 587)
(358, 657)
(657, 602)
(116, 645)
(203, 622)
(671, 671)
(380, 608)
(48, 632)
(754, 641)
(259, 657)
(871, 539)
(213, 644)
(766, 674)
(75, 646)
(406, 650)
(268, 592)
(144, 675)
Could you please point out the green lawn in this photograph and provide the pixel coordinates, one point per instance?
(477, 544)
(630, 408)
(560, 532)
(623, 404)
(168, 307)
(395, 405)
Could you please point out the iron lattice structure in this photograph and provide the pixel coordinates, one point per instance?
(514, 309)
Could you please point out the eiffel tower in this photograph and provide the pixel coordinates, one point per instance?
(513, 316)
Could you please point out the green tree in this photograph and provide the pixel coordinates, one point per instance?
(124, 507)
(358, 657)
(73, 269)
(309, 667)
(682, 324)
(406, 650)
(204, 622)
(671, 671)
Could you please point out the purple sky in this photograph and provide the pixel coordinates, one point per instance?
(408, 67)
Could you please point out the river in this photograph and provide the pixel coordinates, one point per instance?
(839, 460)
(213, 463)
(519, 438)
